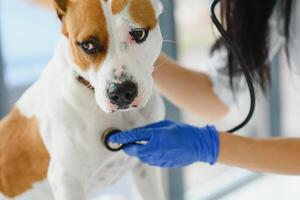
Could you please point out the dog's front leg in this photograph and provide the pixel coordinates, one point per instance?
(149, 182)
(66, 173)
(65, 185)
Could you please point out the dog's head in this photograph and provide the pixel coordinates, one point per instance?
(114, 44)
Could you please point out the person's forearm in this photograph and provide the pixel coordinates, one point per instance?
(263, 155)
(190, 90)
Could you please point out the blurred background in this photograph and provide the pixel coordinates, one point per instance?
(29, 31)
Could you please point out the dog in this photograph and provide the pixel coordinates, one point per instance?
(99, 78)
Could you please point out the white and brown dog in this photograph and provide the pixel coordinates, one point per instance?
(99, 77)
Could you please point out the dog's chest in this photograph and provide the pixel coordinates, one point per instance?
(114, 166)
(110, 172)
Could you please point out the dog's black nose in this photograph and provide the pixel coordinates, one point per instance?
(122, 94)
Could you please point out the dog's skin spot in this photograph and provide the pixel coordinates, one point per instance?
(24, 159)
(120, 76)
(118, 6)
(110, 165)
(132, 123)
(143, 13)
(79, 29)
(124, 67)
(124, 46)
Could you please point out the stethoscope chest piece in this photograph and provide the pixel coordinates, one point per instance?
(109, 145)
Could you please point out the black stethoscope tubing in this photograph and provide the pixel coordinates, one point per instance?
(242, 63)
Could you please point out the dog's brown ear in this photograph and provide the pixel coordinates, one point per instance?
(61, 7)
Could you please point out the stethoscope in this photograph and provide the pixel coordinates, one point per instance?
(228, 41)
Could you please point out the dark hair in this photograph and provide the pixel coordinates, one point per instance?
(247, 23)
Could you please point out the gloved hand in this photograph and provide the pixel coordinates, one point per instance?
(171, 144)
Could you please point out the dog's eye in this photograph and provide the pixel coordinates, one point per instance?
(139, 35)
(88, 47)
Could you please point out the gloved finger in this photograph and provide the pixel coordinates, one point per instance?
(151, 161)
(136, 150)
(169, 156)
(174, 160)
(133, 149)
(159, 124)
(169, 165)
(132, 136)
(164, 165)
(166, 159)
(161, 156)
(152, 146)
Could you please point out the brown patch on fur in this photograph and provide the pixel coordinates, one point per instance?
(118, 5)
(84, 20)
(24, 159)
(143, 13)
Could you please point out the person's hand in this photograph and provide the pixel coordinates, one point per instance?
(171, 144)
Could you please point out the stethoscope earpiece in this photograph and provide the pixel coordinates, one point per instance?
(109, 145)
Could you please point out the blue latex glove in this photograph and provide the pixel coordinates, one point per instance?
(171, 144)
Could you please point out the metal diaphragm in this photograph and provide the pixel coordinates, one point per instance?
(109, 145)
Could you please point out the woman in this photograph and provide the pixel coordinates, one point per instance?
(172, 144)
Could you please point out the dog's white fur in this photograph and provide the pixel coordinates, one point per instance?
(71, 122)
